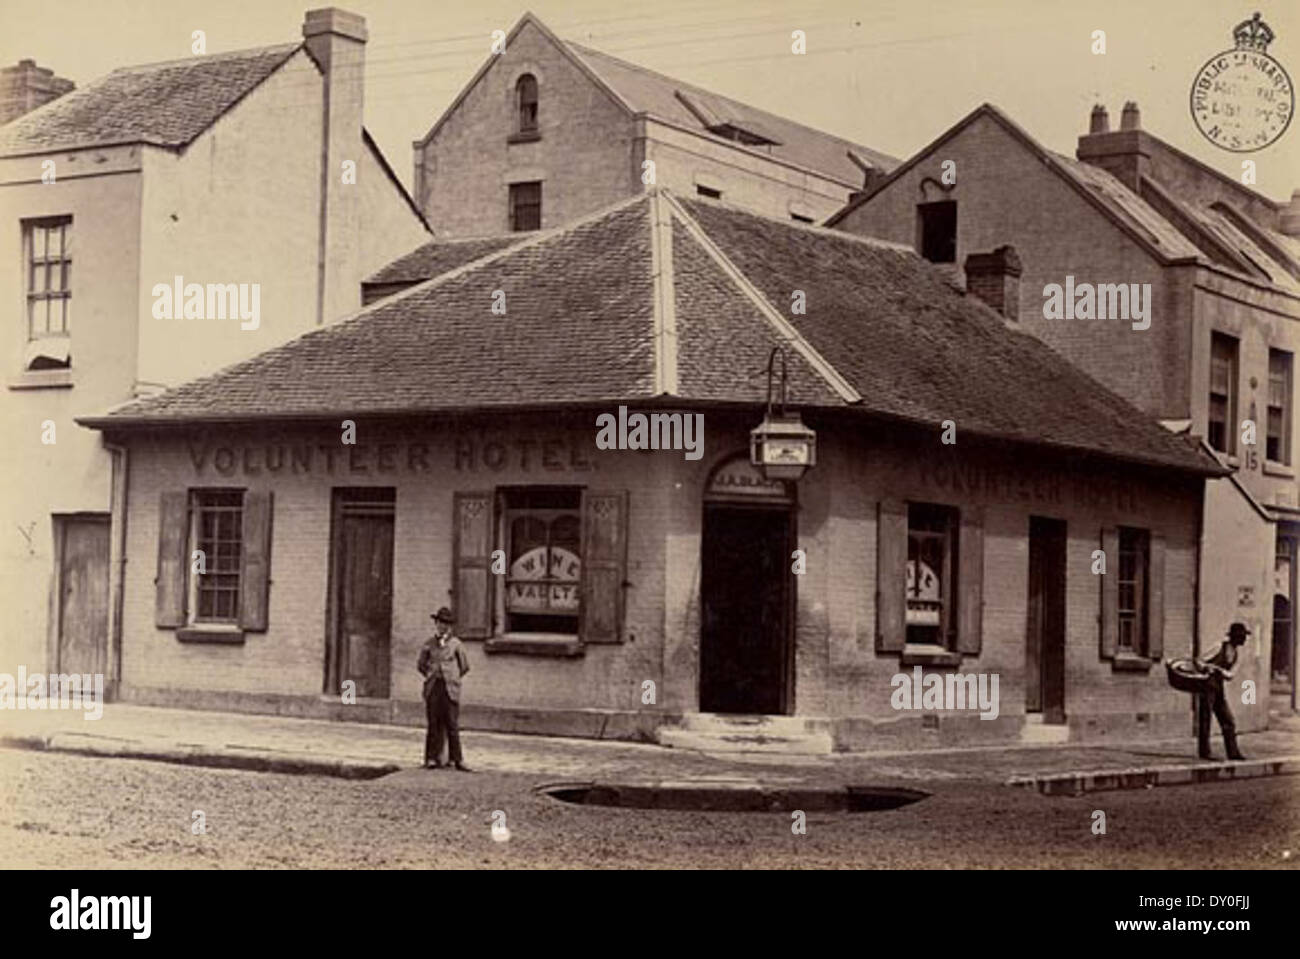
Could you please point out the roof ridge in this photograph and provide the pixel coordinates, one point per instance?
(663, 310)
(691, 87)
(875, 242)
(200, 58)
(824, 368)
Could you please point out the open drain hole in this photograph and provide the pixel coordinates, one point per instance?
(710, 797)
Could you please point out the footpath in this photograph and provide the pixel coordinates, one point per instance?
(365, 751)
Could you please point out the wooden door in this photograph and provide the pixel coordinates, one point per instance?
(1045, 640)
(363, 570)
(82, 593)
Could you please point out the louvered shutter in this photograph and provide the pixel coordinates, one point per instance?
(255, 565)
(891, 575)
(472, 562)
(970, 581)
(604, 565)
(173, 549)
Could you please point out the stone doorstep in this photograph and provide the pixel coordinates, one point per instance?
(1076, 783)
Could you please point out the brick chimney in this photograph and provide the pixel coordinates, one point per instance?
(25, 86)
(336, 39)
(1125, 153)
(995, 279)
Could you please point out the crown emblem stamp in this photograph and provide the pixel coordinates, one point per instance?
(1242, 99)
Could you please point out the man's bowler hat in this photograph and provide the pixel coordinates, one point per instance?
(444, 615)
(1238, 631)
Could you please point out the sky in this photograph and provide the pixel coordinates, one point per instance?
(890, 74)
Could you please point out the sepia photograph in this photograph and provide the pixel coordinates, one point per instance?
(658, 435)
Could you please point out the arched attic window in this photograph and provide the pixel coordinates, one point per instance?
(526, 103)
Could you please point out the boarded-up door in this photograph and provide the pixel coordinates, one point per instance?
(82, 593)
(363, 593)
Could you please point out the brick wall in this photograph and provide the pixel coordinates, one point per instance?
(838, 671)
(583, 156)
(1005, 195)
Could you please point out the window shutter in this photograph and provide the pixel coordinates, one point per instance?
(1156, 599)
(472, 562)
(970, 581)
(255, 566)
(1110, 592)
(173, 556)
(891, 576)
(604, 565)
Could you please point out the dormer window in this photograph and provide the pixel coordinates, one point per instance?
(526, 104)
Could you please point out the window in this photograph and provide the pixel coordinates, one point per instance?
(216, 531)
(540, 570)
(224, 592)
(931, 554)
(542, 537)
(526, 206)
(1220, 430)
(1134, 566)
(1278, 431)
(937, 226)
(708, 191)
(526, 104)
(48, 253)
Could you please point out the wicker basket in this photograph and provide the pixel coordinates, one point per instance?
(1186, 676)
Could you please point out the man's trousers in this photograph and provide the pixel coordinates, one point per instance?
(1214, 700)
(443, 715)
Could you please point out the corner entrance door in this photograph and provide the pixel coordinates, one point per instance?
(82, 584)
(362, 590)
(746, 595)
(1045, 648)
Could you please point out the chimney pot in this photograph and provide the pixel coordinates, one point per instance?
(1099, 122)
(1130, 119)
(1290, 219)
(995, 279)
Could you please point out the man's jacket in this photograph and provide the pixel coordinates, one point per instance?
(448, 661)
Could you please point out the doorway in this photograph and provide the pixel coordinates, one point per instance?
(81, 569)
(746, 599)
(361, 590)
(1045, 646)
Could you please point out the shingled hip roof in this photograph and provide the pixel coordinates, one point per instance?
(671, 300)
(164, 104)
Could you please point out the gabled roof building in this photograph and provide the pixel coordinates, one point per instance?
(557, 131)
(157, 224)
(1131, 222)
(477, 437)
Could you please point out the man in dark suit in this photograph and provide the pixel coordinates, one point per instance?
(443, 664)
(1215, 700)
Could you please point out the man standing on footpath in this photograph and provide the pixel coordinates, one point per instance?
(442, 663)
(1215, 697)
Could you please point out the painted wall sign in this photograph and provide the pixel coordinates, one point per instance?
(529, 590)
(468, 453)
(1011, 486)
(740, 478)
